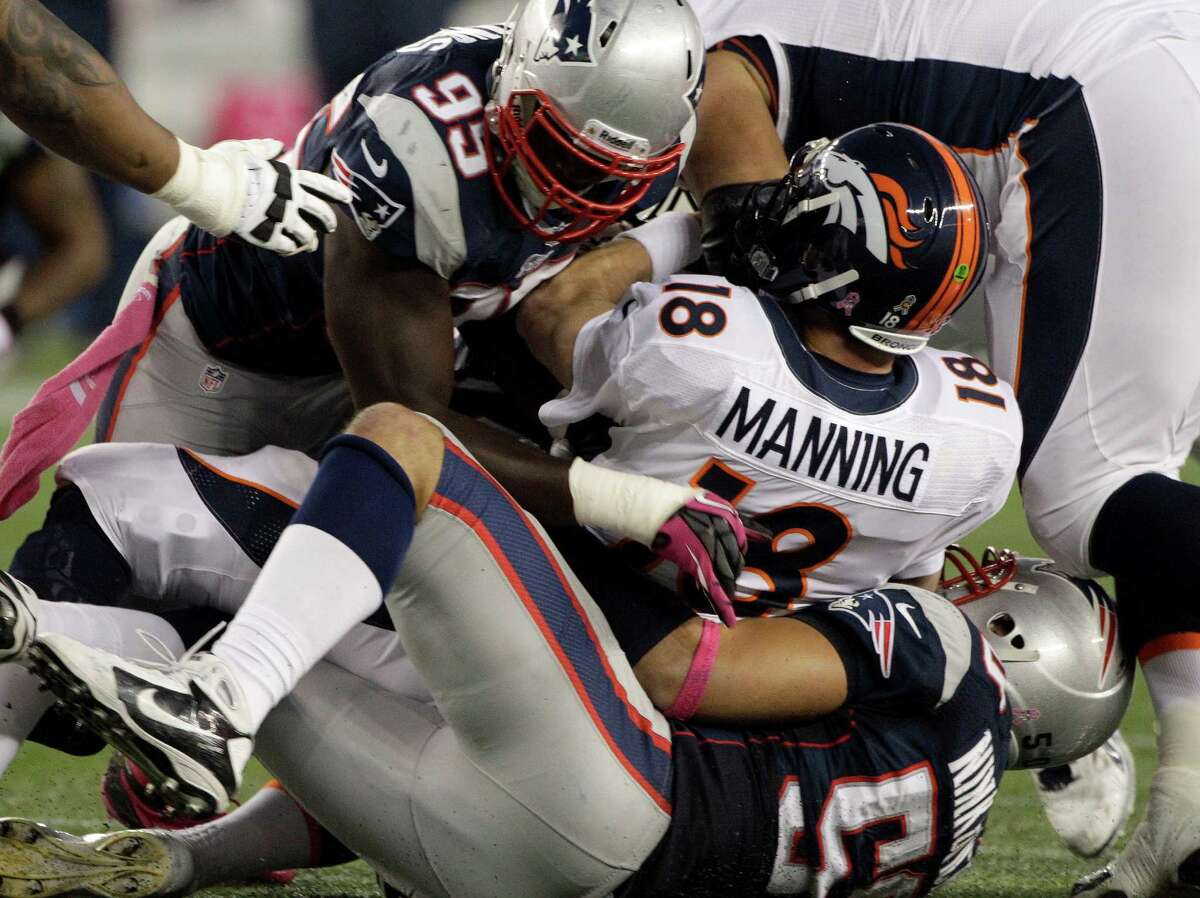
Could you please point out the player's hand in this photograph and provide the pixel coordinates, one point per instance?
(239, 187)
(706, 540)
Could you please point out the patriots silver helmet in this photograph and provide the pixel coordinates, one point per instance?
(1069, 682)
(591, 100)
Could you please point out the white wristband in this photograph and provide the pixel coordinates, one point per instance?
(206, 189)
(630, 505)
(672, 241)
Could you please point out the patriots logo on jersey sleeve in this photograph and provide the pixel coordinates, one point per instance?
(374, 210)
(569, 37)
(876, 614)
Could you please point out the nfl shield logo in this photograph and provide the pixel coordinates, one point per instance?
(213, 379)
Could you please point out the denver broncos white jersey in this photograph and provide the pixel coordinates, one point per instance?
(859, 478)
(195, 529)
(1077, 39)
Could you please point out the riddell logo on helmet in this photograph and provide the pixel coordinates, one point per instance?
(616, 139)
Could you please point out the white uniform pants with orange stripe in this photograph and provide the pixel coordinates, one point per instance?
(547, 773)
(172, 390)
(1094, 298)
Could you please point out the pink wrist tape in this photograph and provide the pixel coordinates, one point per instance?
(696, 681)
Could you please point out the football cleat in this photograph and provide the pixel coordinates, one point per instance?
(39, 862)
(18, 617)
(134, 802)
(1089, 801)
(1163, 856)
(183, 722)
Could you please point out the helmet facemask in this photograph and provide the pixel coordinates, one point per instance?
(556, 180)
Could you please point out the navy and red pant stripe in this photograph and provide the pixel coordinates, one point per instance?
(529, 563)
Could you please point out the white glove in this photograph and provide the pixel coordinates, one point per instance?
(238, 187)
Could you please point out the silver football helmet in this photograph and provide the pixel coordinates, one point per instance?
(1069, 682)
(591, 101)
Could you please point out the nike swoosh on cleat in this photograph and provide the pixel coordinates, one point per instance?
(158, 723)
(146, 704)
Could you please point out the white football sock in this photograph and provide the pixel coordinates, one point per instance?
(1179, 735)
(22, 701)
(269, 832)
(1171, 666)
(312, 591)
(1172, 676)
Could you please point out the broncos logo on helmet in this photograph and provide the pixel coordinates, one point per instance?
(569, 37)
(902, 233)
(882, 205)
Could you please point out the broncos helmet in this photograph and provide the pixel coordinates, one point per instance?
(1069, 682)
(884, 227)
(591, 100)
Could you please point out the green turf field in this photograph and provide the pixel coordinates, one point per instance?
(1021, 857)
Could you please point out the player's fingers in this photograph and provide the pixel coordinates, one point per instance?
(755, 532)
(300, 233)
(264, 147)
(318, 213)
(724, 568)
(328, 189)
(720, 600)
(732, 551)
(706, 534)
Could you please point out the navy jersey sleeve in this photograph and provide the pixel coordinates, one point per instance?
(383, 206)
(344, 142)
(905, 649)
(406, 136)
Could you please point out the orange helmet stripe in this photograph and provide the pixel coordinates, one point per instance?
(968, 234)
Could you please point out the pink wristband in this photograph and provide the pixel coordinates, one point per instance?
(696, 681)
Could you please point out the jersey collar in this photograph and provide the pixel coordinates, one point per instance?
(853, 391)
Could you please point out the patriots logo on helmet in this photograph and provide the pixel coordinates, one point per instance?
(569, 36)
(1106, 614)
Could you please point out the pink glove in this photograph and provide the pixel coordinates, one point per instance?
(706, 540)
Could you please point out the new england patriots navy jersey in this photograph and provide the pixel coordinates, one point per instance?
(406, 136)
(892, 793)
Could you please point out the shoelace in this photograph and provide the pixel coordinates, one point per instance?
(169, 663)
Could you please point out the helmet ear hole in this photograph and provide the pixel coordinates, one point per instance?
(1018, 641)
(1002, 624)
(927, 210)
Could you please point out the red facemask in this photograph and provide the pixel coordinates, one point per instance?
(977, 579)
(585, 187)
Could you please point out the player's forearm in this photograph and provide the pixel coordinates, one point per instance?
(766, 671)
(551, 316)
(539, 482)
(56, 87)
(736, 141)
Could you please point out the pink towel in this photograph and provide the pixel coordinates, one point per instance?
(60, 411)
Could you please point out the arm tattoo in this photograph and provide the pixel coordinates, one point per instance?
(43, 62)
